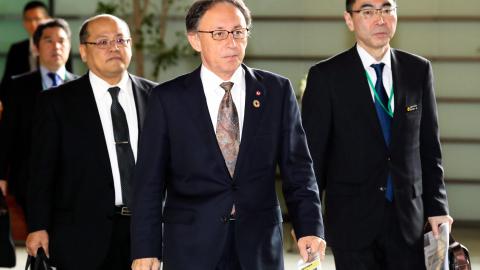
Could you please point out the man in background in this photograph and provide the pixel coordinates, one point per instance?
(371, 121)
(83, 154)
(51, 41)
(21, 56)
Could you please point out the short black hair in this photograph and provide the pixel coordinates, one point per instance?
(198, 9)
(61, 23)
(83, 35)
(349, 4)
(35, 4)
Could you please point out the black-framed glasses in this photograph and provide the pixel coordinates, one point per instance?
(239, 33)
(369, 13)
(104, 43)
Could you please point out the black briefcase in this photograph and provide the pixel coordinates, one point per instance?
(7, 254)
(41, 262)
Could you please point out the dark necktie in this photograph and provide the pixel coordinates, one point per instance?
(384, 117)
(125, 158)
(53, 77)
(228, 131)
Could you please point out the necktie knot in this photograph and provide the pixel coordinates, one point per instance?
(114, 92)
(227, 86)
(53, 77)
(378, 69)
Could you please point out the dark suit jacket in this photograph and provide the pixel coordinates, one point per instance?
(71, 193)
(16, 129)
(351, 158)
(179, 152)
(18, 63)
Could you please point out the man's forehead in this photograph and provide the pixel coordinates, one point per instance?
(53, 30)
(107, 27)
(373, 3)
(216, 18)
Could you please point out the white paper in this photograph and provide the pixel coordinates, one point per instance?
(436, 250)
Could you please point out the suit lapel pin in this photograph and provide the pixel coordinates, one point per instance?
(412, 108)
(258, 93)
(256, 103)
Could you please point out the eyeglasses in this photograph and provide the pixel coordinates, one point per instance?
(369, 13)
(240, 33)
(104, 43)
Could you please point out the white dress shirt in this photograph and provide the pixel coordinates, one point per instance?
(47, 81)
(367, 61)
(214, 93)
(104, 102)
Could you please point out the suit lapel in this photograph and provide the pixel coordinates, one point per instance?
(363, 95)
(399, 93)
(140, 95)
(255, 92)
(196, 103)
(87, 108)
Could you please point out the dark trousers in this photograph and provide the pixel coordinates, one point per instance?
(118, 256)
(229, 259)
(389, 251)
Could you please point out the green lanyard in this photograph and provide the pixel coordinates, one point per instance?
(388, 110)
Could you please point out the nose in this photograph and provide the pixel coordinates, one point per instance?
(231, 42)
(379, 17)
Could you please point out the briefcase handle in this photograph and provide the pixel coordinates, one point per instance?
(41, 262)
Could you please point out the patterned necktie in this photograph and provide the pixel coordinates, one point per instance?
(384, 118)
(228, 131)
(125, 158)
(53, 77)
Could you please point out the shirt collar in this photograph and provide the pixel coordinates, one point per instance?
(368, 60)
(101, 84)
(212, 81)
(61, 73)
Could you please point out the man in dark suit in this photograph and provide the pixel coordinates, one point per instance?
(210, 148)
(52, 41)
(371, 121)
(83, 153)
(21, 56)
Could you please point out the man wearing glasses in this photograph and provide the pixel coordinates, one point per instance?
(371, 122)
(209, 150)
(84, 150)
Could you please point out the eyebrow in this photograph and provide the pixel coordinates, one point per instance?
(368, 5)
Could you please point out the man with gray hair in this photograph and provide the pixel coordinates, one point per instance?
(84, 151)
(212, 141)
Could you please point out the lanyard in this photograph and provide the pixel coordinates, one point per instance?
(388, 110)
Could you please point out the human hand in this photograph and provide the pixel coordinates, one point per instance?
(309, 245)
(146, 264)
(437, 221)
(3, 187)
(36, 240)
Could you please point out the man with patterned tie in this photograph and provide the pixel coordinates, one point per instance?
(51, 40)
(371, 121)
(205, 179)
(85, 141)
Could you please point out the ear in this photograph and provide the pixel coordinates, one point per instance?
(349, 20)
(35, 50)
(194, 41)
(83, 52)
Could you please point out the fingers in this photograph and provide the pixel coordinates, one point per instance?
(310, 247)
(146, 264)
(36, 240)
(3, 187)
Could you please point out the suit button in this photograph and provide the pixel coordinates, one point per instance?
(388, 158)
(382, 189)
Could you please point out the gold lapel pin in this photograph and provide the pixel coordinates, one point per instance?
(256, 103)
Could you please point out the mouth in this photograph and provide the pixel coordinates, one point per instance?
(114, 58)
